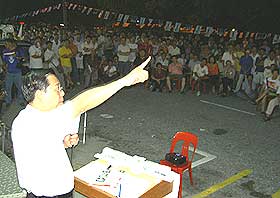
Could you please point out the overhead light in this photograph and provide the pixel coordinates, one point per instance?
(233, 29)
(61, 25)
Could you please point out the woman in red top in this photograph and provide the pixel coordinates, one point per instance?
(213, 73)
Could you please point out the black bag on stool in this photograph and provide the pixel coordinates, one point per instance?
(175, 158)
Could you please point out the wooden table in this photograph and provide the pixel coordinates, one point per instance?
(160, 190)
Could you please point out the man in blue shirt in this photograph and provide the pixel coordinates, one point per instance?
(11, 59)
(246, 63)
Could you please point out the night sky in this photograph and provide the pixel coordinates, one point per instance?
(246, 15)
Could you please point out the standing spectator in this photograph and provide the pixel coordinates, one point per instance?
(56, 44)
(200, 76)
(133, 49)
(11, 59)
(268, 62)
(74, 49)
(158, 77)
(79, 58)
(123, 54)
(228, 55)
(65, 55)
(36, 54)
(246, 63)
(175, 71)
(228, 77)
(258, 77)
(52, 60)
(213, 74)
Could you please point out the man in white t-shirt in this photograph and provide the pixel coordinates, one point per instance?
(200, 76)
(123, 54)
(133, 50)
(52, 60)
(36, 54)
(46, 126)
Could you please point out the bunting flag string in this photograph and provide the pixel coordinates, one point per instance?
(140, 21)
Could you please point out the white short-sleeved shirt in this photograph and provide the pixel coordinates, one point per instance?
(201, 71)
(35, 63)
(123, 48)
(43, 166)
(49, 55)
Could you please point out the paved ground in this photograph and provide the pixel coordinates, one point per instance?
(143, 123)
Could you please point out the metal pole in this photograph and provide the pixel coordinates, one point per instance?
(64, 12)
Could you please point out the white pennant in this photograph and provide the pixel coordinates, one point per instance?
(177, 27)
(167, 26)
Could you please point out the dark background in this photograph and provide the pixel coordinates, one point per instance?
(245, 15)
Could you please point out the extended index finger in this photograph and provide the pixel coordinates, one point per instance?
(143, 65)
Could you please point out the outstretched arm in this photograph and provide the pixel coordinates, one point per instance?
(96, 96)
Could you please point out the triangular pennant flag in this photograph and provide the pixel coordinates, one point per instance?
(70, 6)
(89, 10)
(125, 18)
(276, 39)
(150, 21)
(49, 9)
(43, 10)
(75, 6)
(168, 26)
(84, 9)
(197, 29)
(120, 17)
(132, 19)
(177, 27)
(96, 11)
(142, 20)
(209, 31)
(100, 14)
(106, 15)
(252, 34)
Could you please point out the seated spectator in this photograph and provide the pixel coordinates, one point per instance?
(258, 78)
(110, 72)
(158, 77)
(228, 77)
(269, 92)
(163, 59)
(175, 71)
(275, 101)
(200, 76)
(213, 73)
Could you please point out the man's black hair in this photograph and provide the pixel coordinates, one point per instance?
(32, 83)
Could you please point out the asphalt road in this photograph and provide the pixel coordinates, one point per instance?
(144, 122)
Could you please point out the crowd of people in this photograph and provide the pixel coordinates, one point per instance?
(180, 62)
